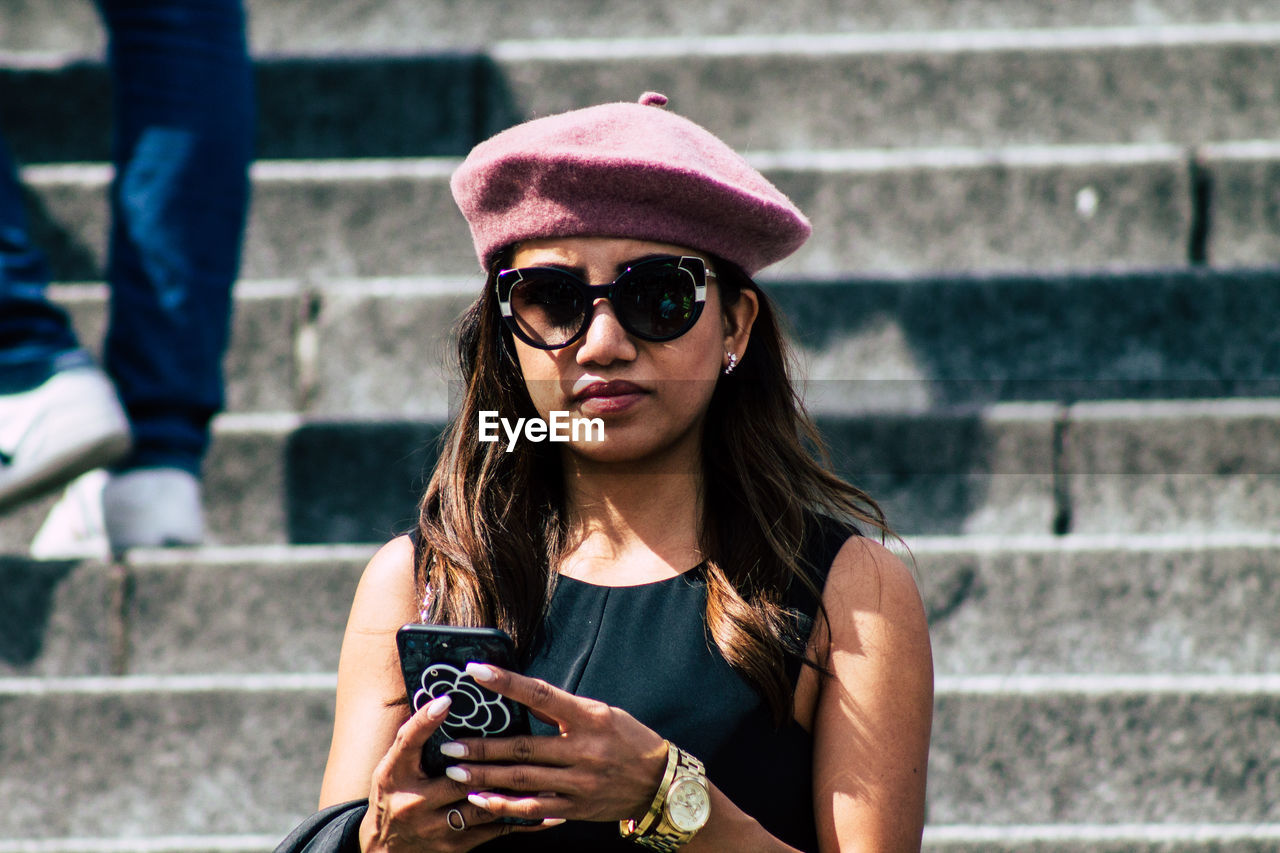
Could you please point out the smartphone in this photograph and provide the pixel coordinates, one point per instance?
(433, 659)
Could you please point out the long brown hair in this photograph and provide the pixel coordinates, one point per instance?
(493, 526)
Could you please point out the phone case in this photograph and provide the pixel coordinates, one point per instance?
(433, 659)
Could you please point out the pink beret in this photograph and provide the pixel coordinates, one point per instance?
(624, 170)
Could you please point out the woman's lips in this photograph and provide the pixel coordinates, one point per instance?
(608, 397)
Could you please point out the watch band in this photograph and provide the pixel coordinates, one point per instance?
(665, 843)
(661, 834)
(630, 828)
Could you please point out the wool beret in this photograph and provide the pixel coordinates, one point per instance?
(624, 170)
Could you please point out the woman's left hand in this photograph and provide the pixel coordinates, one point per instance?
(604, 765)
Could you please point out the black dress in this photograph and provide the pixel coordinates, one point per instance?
(646, 649)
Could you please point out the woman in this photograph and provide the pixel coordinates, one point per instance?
(716, 658)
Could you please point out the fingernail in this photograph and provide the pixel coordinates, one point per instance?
(480, 672)
(477, 800)
(453, 750)
(457, 774)
(436, 707)
(553, 821)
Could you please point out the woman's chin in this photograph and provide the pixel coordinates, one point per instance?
(612, 451)
(637, 446)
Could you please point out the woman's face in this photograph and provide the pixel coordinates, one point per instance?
(651, 396)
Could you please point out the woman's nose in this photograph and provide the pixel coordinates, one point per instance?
(605, 341)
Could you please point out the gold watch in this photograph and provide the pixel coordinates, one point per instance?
(679, 809)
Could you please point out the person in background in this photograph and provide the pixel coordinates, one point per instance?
(714, 654)
(181, 145)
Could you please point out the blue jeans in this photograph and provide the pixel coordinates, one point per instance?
(182, 144)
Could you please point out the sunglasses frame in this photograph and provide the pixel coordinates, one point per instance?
(691, 266)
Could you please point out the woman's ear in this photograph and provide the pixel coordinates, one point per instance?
(737, 320)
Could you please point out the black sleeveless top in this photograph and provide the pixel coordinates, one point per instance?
(646, 649)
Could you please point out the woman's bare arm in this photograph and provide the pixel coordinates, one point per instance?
(872, 718)
(369, 680)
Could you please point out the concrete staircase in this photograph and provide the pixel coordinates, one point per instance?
(1037, 318)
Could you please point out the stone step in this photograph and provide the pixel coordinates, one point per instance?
(191, 756)
(1187, 466)
(257, 609)
(1104, 604)
(327, 347)
(778, 92)
(205, 843)
(1009, 605)
(1104, 838)
(383, 346)
(277, 479)
(58, 109)
(1187, 85)
(1133, 467)
(1043, 209)
(1242, 180)
(1057, 750)
(1104, 749)
(412, 25)
(1122, 467)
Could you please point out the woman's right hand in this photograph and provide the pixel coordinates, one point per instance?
(409, 810)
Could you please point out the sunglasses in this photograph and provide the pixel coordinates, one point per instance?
(657, 299)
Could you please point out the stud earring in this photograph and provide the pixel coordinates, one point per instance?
(733, 362)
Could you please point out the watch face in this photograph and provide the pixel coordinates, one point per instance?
(688, 805)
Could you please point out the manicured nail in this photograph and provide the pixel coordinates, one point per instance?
(436, 707)
(478, 801)
(453, 750)
(480, 672)
(457, 774)
(553, 821)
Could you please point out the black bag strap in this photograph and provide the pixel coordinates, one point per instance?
(332, 830)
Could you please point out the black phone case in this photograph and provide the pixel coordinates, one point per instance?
(432, 659)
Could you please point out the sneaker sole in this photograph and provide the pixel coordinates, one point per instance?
(95, 452)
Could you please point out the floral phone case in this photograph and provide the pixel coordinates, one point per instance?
(433, 659)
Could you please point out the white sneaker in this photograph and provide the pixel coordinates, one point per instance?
(152, 508)
(101, 515)
(73, 529)
(49, 435)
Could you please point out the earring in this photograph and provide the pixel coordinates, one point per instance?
(733, 362)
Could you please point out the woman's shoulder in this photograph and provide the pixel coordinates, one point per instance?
(386, 592)
(871, 593)
(849, 563)
(865, 568)
(392, 564)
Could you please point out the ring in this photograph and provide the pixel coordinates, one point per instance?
(462, 821)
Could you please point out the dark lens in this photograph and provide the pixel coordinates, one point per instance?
(548, 306)
(656, 300)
